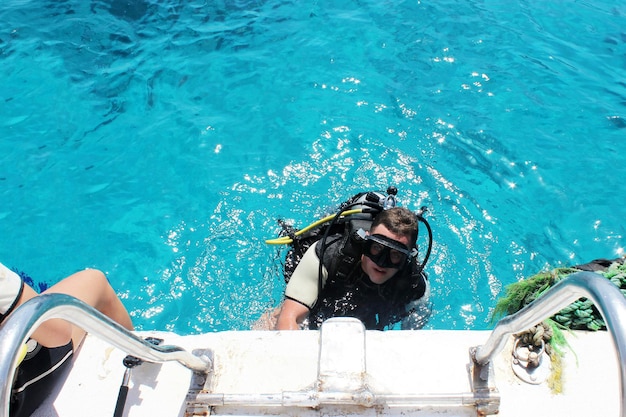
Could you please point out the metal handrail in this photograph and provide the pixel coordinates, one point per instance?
(607, 297)
(18, 327)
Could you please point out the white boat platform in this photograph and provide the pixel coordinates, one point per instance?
(340, 370)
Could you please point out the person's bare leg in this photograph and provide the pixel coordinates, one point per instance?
(92, 287)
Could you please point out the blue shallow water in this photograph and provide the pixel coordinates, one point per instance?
(159, 141)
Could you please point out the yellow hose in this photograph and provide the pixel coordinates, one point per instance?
(285, 240)
(22, 353)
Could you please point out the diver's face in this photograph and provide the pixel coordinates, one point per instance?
(377, 274)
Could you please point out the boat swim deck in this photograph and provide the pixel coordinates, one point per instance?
(269, 372)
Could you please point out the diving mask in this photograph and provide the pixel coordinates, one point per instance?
(386, 252)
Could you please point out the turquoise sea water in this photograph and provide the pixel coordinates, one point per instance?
(160, 140)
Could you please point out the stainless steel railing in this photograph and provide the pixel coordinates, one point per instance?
(607, 298)
(18, 327)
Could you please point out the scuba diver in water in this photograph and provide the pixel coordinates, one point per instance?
(364, 266)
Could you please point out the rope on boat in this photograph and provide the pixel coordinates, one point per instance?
(580, 315)
(537, 336)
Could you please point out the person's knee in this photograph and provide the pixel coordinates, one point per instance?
(89, 285)
(96, 276)
(99, 282)
(107, 301)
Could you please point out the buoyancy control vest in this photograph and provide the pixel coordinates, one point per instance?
(348, 291)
